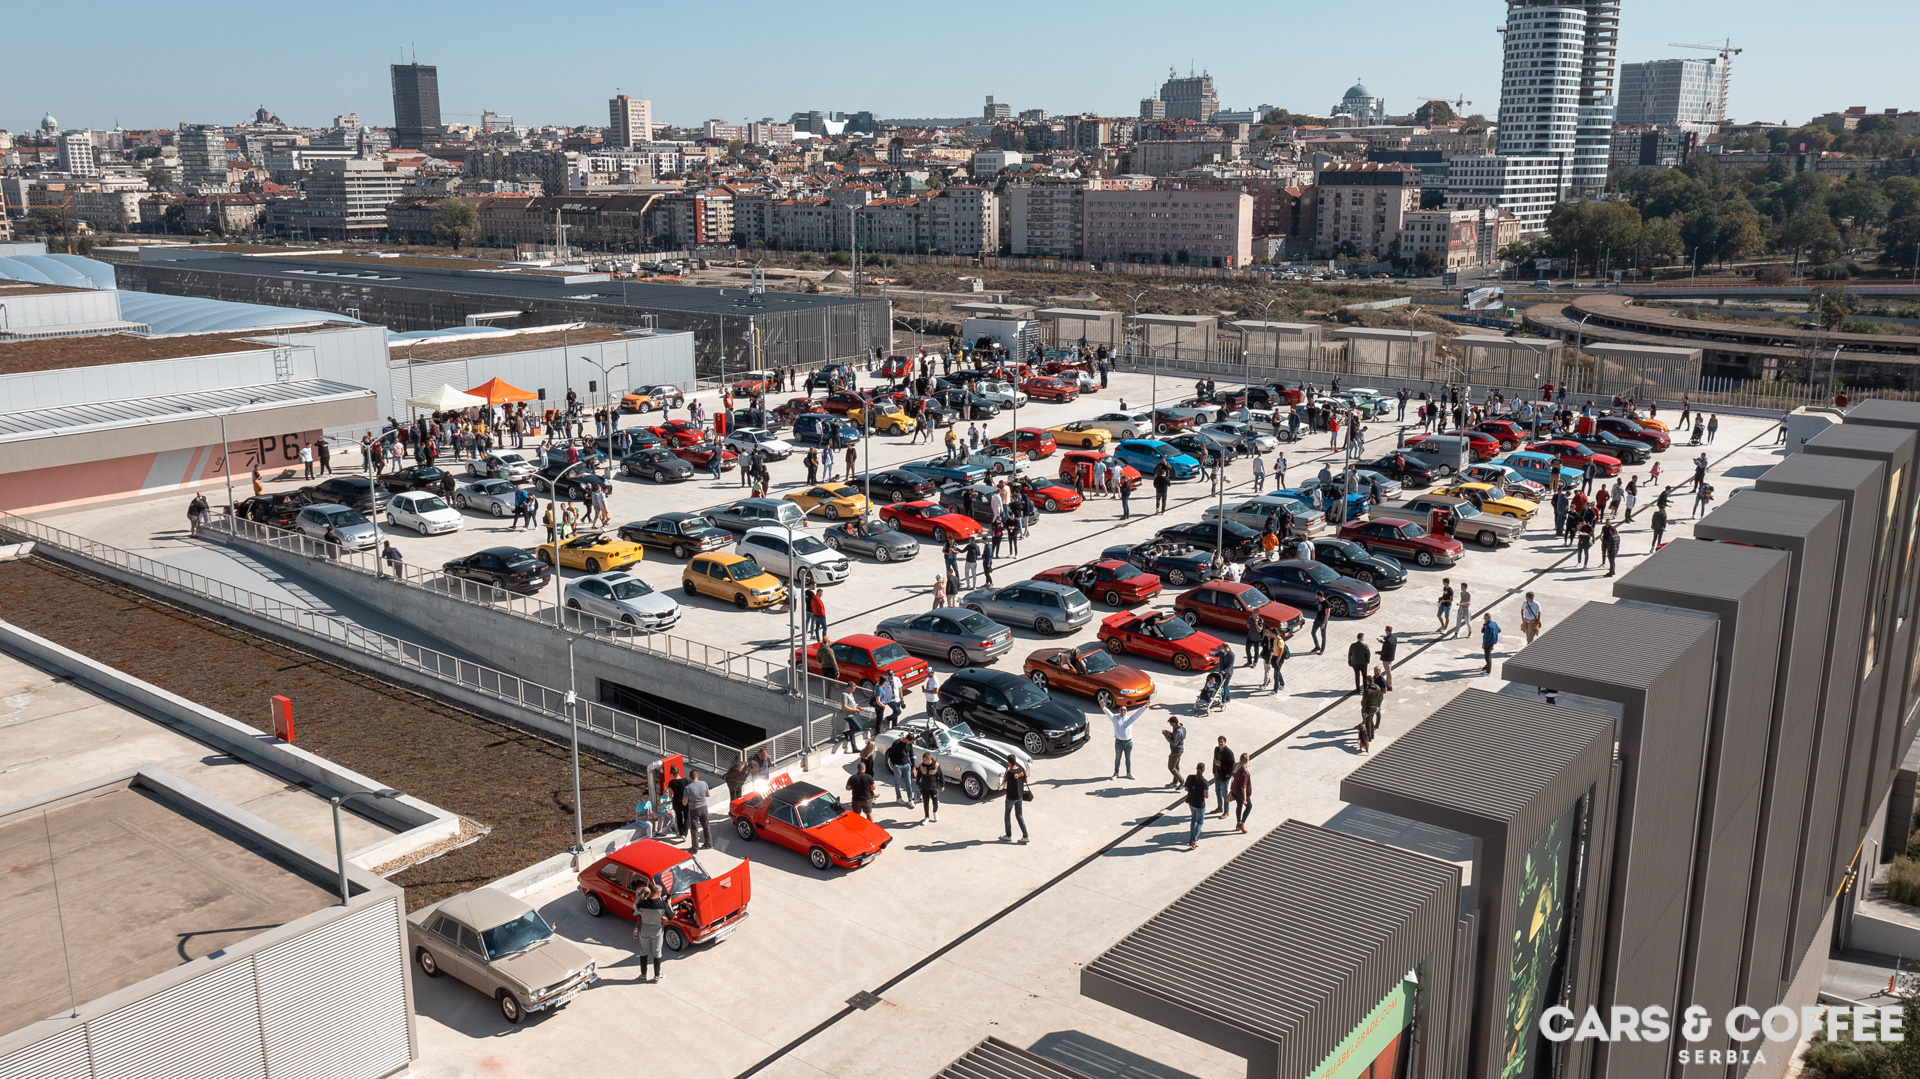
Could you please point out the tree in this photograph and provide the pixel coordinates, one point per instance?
(454, 220)
(1660, 239)
(1812, 231)
(1831, 303)
(1900, 242)
(1862, 200)
(1433, 112)
(175, 219)
(159, 179)
(1903, 196)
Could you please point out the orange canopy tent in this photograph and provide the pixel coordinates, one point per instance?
(498, 392)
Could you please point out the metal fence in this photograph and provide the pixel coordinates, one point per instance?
(624, 727)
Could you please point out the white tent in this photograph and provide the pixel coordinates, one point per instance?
(445, 399)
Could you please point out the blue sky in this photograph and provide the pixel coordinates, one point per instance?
(216, 60)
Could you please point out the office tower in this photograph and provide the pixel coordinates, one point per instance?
(1191, 98)
(1670, 93)
(629, 121)
(416, 104)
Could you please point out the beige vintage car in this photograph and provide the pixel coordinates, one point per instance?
(502, 947)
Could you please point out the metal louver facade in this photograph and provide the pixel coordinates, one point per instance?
(995, 1059)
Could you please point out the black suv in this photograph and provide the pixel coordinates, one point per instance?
(354, 492)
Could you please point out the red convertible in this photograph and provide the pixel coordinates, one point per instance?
(680, 433)
(806, 818)
(701, 909)
(864, 659)
(700, 455)
(930, 519)
(1160, 635)
(896, 367)
(1116, 582)
(1046, 494)
(1035, 442)
(1575, 456)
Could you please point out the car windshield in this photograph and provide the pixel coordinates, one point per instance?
(745, 570)
(808, 545)
(511, 459)
(519, 560)
(1162, 449)
(978, 624)
(1125, 572)
(819, 810)
(681, 877)
(345, 518)
(631, 588)
(517, 935)
(1097, 661)
(1174, 629)
(1024, 694)
(1411, 531)
(1466, 509)
(961, 730)
(1253, 599)
(888, 654)
(428, 505)
(1320, 574)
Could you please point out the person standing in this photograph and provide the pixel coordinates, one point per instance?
(1389, 648)
(677, 801)
(973, 562)
(1176, 734)
(1276, 657)
(1259, 470)
(325, 456)
(850, 716)
(1703, 500)
(860, 786)
(1489, 636)
(1196, 785)
(1445, 608)
(896, 697)
(1223, 765)
(939, 590)
(1609, 546)
(1629, 499)
(1713, 427)
(1122, 721)
(1370, 698)
(813, 466)
(649, 928)
(1465, 618)
(817, 615)
(1659, 526)
(986, 558)
(1530, 618)
(306, 460)
(1320, 616)
(1583, 542)
(1241, 787)
(1126, 511)
(930, 691)
(1162, 480)
(926, 776)
(696, 794)
(1358, 656)
(1017, 798)
(1559, 512)
(1256, 637)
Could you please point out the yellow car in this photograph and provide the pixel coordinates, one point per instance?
(595, 552)
(833, 501)
(1498, 503)
(1080, 433)
(887, 419)
(732, 577)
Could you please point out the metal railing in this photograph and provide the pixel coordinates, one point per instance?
(644, 734)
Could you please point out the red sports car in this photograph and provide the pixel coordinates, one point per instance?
(1403, 539)
(1046, 494)
(1160, 635)
(864, 659)
(798, 406)
(701, 909)
(1043, 388)
(809, 819)
(1081, 462)
(1035, 442)
(701, 455)
(1506, 432)
(840, 403)
(1227, 604)
(1118, 583)
(680, 433)
(1573, 455)
(896, 367)
(930, 519)
(751, 385)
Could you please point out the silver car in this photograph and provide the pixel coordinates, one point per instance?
(787, 551)
(1048, 607)
(1134, 424)
(501, 464)
(756, 513)
(492, 496)
(960, 635)
(1235, 434)
(354, 532)
(744, 440)
(502, 947)
(621, 597)
(872, 537)
(1257, 511)
(1000, 393)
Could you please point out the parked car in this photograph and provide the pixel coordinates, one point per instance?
(423, 511)
(352, 531)
(1634, 430)
(1404, 540)
(785, 552)
(658, 464)
(825, 430)
(865, 659)
(1623, 450)
(1129, 424)
(419, 478)
(569, 483)
(888, 419)
(1107, 579)
(1488, 498)
(1182, 418)
(1329, 495)
(755, 513)
(967, 406)
(872, 537)
(1573, 455)
(1312, 585)
(931, 519)
(276, 509)
(700, 455)
(679, 532)
(591, 551)
(999, 392)
(501, 465)
(1081, 433)
(960, 635)
(1410, 469)
(1047, 606)
(1146, 454)
(508, 568)
(1177, 564)
(621, 597)
(1160, 635)
(834, 501)
(1350, 559)
(1506, 479)
(584, 454)
(1089, 670)
(1262, 510)
(811, 820)
(1237, 433)
(954, 499)
(1006, 705)
(1227, 604)
(355, 492)
(1507, 433)
(930, 410)
(899, 485)
(1201, 448)
(745, 440)
(1469, 521)
(649, 398)
(502, 947)
(979, 764)
(1034, 442)
(944, 470)
(701, 908)
(1240, 542)
(1076, 466)
(1047, 388)
(732, 577)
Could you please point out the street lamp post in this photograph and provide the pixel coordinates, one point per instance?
(606, 379)
(1415, 310)
(573, 727)
(226, 460)
(553, 486)
(339, 841)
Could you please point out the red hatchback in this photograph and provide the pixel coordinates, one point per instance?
(930, 519)
(701, 909)
(1118, 583)
(840, 403)
(1035, 442)
(1508, 433)
(1403, 539)
(1228, 603)
(1043, 388)
(864, 659)
(1077, 465)
(1573, 455)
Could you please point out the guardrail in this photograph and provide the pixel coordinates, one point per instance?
(624, 727)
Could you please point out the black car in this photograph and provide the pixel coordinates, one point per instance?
(1349, 559)
(1196, 445)
(1241, 540)
(1308, 585)
(765, 418)
(1005, 705)
(968, 406)
(685, 534)
(579, 479)
(638, 438)
(1174, 563)
(557, 455)
(419, 478)
(277, 510)
(833, 376)
(936, 413)
(354, 492)
(897, 485)
(1625, 451)
(502, 567)
(657, 463)
(1410, 470)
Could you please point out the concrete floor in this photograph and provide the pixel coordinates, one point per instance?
(959, 934)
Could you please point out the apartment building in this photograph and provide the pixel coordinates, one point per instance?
(723, 131)
(1164, 157)
(964, 220)
(1170, 224)
(76, 154)
(1045, 217)
(203, 155)
(1526, 186)
(1274, 197)
(630, 121)
(1364, 205)
(1449, 238)
(348, 198)
(896, 226)
(694, 218)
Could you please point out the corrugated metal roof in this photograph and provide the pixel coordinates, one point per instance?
(995, 1059)
(198, 314)
(1817, 470)
(1688, 567)
(1319, 924)
(1615, 644)
(1762, 514)
(166, 408)
(1484, 754)
(1888, 413)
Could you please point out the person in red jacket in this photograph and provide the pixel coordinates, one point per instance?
(817, 614)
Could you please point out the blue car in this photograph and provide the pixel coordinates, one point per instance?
(824, 429)
(945, 470)
(1539, 468)
(1357, 502)
(1145, 455)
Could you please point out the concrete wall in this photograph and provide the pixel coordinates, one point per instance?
(119, 381)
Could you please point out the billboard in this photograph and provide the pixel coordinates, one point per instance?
(1490, 298)
(1371, 1050)
(1538, 960)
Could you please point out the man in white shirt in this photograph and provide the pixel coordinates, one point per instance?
(1530, 618)
(1122, 736)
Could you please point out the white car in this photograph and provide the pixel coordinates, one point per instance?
(784, 551)
(1135, 424)
(997, 460)
(1235, 433)
(492, 496)
(501, 464)
(424, 512)
(745, 440)
(621, 597)
(1000, 393)
(978, 764)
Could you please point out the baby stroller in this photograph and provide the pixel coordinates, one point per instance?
(1210, 698)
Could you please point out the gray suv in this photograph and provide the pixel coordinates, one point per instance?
(750, 513)
(1046, 606)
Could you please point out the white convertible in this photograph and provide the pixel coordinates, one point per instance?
(978, 764)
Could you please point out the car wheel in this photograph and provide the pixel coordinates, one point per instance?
(740, 600)
(1182, 661)
(939, 534)
(1190, 617)
(428, 964)
(1128, 433)
(593, 565)
(675, 940)
(544, 557)
(975, 608)
(595, 908)
(957, 656)
(1112, 598)
(1033, 743)
(833, 540)
(881, 554)
(1176, 578)
(1443, 470)
(1038, 678)
(743, 828)
(1424, 558)
(1488, 539)
(573, 605)
(510, 1007)
(831, 512)
(949, 716)
(1338, 607)
(1364, 576)
(687, 587)
(1043, 626)
(659, 475)
(973, 786)
(1053, 505)
(1116, 646)
(1106, 699)
(818, 856)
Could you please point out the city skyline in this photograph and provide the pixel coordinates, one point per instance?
(803, 67)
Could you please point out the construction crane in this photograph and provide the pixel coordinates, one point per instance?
(1458, 104)
(1727, 53)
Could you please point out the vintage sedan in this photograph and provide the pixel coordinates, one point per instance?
(1116, 582)
(887, 419)
(977, 763)
(1089, 670)
(1081, 433)
(1044, 605)
(1047, 388)
(1312, 585)
(621, 597)
(872, 537)
(864, 659)
(501, 465)
(1005, 704)
(509, 568)
(1504, 478)
(834, 501)
(502, 947)
(701, 908)
(931, 519)
(1494, 500)
(657, 463)
(960, 635)
(423, 511)
(593, 552)
(1175, 563)
(811, 820)
(682, 533)
(1160, 635)
(1403, 539)
(1469, 521)
(1227, 604)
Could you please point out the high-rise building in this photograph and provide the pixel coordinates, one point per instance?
(1191, 98)
(1670, 93)
(416, 104)
(996, 110)
(76, 154)
(1152, 108)
(630, 121)
(203, 155)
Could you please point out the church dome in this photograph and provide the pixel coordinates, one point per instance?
(1358, 90)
